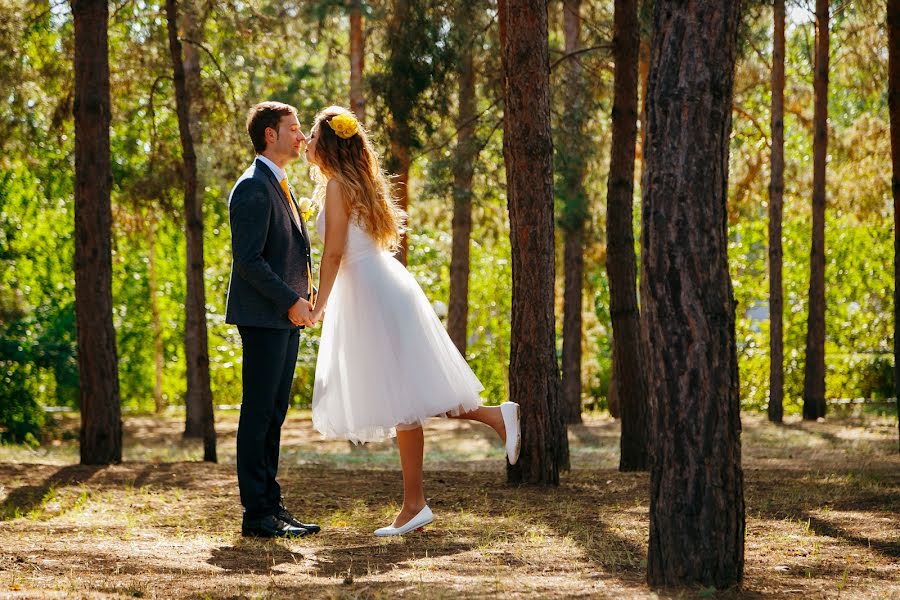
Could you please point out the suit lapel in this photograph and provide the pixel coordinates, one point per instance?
(284, 199)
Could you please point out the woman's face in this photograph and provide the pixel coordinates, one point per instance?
(311, 142)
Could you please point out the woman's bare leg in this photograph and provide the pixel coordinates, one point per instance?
(489, 415)
(411, 443)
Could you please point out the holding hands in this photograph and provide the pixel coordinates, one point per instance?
(304, 314)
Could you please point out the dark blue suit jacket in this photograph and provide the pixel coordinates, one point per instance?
(270, 252)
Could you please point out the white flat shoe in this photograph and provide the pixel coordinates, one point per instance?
(420, 520)
(510, 413)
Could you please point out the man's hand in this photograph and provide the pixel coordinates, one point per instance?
(300, 313)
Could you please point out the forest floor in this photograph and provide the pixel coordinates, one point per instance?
(822, 505)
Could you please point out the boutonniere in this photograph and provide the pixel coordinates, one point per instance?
(306, 208)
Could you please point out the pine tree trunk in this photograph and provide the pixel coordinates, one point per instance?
(644, 76)
(466, 154)
(621, 263)
(357, 54)
(402, 162)
(573, 263)
(814, 374)
(533, 371)
(776, 209)
(687, 302)
(893, 22)
(101, 420)
(196, 345)
(575, 213)
(612, 396)
(155, 323)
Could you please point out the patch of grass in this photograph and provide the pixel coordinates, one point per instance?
(822, 499)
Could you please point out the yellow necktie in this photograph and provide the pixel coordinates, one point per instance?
(287, 194)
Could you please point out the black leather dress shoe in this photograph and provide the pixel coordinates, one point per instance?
(271, 527)
(285, 515)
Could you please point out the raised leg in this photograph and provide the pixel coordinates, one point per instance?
(489, 415)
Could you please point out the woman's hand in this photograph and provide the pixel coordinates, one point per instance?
(318, 313)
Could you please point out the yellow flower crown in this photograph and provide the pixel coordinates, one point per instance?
(345, 126)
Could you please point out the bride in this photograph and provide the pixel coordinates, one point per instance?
(385, 362)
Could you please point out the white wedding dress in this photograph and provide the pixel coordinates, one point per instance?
(385, 359)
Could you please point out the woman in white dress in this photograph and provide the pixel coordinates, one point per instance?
(385, 362)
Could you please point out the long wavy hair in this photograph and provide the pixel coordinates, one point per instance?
(353, 163)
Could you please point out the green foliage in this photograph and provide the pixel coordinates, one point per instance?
(297, 52)
(859, 320)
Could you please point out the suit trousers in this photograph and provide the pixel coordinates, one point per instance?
(268, 370)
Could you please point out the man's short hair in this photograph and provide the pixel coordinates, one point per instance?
(261, 117)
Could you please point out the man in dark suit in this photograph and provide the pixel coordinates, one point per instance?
(269, 300)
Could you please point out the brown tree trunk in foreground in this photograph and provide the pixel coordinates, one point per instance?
(101, 420)
(196, 345)
(776, 210)
(466, 153)
(575, 213)
(893, 21)
(621, 263)
(814, 374)
(402, 160)
(155, 321)
(687, 302)
(533, 371)
(357, 54)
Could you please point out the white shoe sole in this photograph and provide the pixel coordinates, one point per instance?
(510, 412)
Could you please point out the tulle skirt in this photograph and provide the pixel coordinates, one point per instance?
(385, 360)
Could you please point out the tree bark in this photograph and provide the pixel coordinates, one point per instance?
(814, 373)
(466, 153)
(621, 263)
(101, 420)
(357, 54)
(893, 22)
(612, 397)
(776, 209)
(687, 302)
(196, 345)
(575, 213)
(402, 162)
(155, 323)
(533, 371)
(400, 99)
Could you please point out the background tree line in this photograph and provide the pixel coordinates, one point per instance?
(412, 79)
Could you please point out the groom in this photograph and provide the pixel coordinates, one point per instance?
(268, 299)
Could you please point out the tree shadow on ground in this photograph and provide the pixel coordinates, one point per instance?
(264, 557)
(888, 548)
(257, 558)
(24, 499)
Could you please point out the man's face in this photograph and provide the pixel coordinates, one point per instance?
(287, 142)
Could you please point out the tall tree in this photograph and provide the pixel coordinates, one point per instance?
(357, 55)
(621, 263)
(101, 419)
(893, 22)
(687, 302)
(571, 160)
(195, 425)
(155, 321)
(814, 373)
(776, 209)
(196, 345)
(465, 155)
(528, 148)
(415, 62)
